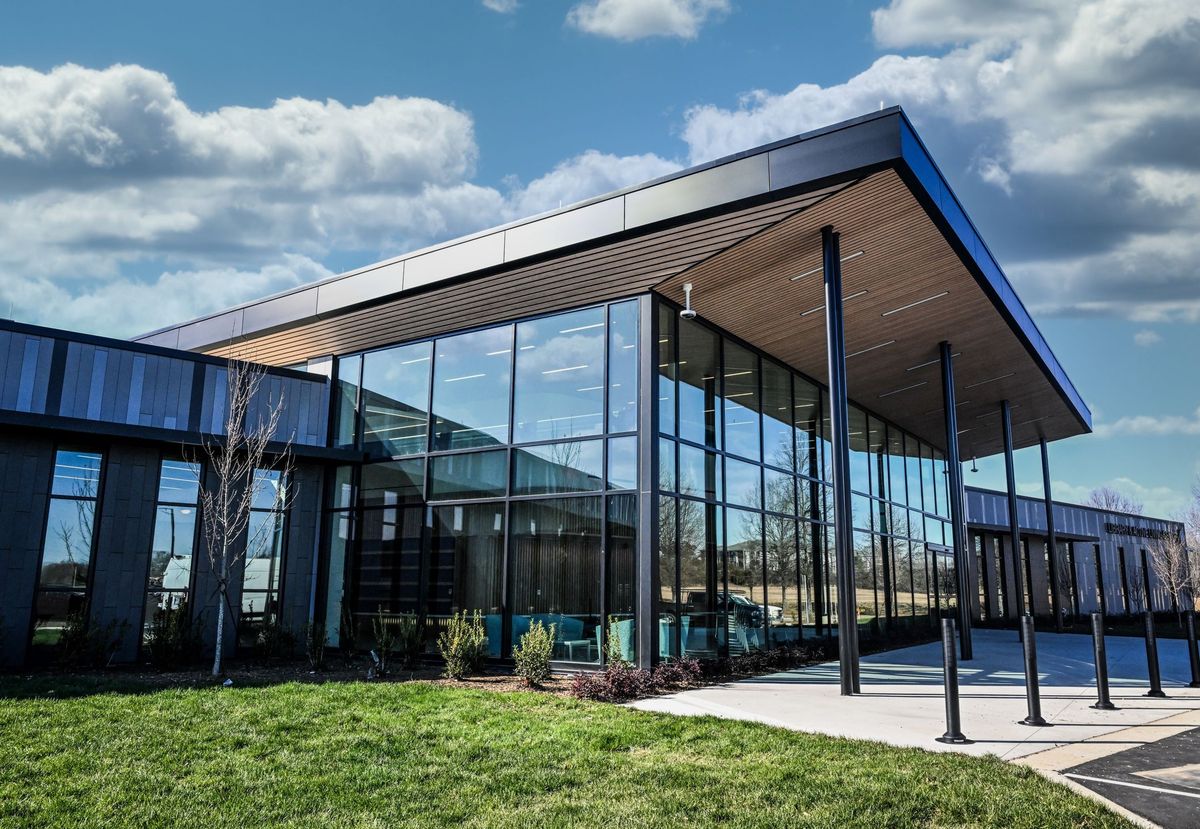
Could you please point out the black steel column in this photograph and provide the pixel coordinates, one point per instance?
(647, 509)
(1051, 543)
(843, 538)
(962, 567)
(1014, 526)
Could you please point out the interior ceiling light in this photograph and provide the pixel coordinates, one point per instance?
(581, 328)
(871, 348)
(931, 362)
(914, 304)
(904, 388)
(820, 268)
(821, 307)
(989, 380)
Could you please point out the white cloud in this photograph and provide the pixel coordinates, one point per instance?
(1082, 112)
(636, 19)
(501, 6)
(115, 196)
(1159, 501)
(1157, 425)
(1147, 338)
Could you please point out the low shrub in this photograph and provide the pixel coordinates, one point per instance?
(677, 673)
(532, 654)
(409, 639)
(348, 637)
(398, 638)
(315, 640)
(273, 641)
(463, 645)
(84, 644)
(174, 638)
(618, 682)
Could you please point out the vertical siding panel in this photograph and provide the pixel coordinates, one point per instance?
(137, 381)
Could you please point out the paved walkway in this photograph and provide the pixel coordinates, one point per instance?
(902, 701)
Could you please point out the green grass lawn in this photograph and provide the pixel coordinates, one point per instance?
(384, 755)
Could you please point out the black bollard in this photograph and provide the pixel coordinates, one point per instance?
(1032, 697)
(1152, 659)
(950, 671)
(1102, 701)
(1193, 651)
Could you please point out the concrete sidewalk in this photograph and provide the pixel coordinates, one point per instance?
(902, 701)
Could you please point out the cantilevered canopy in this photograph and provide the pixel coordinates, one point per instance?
(746, 232)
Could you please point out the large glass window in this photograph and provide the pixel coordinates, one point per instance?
(699, 472)
(667, 370)
(778, 437)
(744, 570)
(395, 400)
(622, 366)
(699, 368)
(742, 402)
(67, 546)
(699, 578)
(469, 475)
(554, 573)
(175, 533)
(349, 371)
(550, 468)
(470, 389)
(466, 568)
(621, 577)
(560, 376)
(264, 552)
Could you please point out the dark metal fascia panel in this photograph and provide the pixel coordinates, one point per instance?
(930, 187)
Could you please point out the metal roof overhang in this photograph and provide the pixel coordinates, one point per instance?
(924, 275)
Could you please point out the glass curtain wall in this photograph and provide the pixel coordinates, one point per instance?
(65, 570)
(743, 507)
(264, 553)
(501, 477)
(175, 533)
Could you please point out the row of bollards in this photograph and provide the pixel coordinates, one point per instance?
(1033, 716)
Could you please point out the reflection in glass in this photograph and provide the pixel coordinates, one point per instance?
(807, 409)
(743, 486)
(667, 369)
(781, 492)
(622, 366)
(571, 466)
(699, 472)
(393, 482)
(896, 487)
(744, 565)
(622, 574)
(349, 370)
(778, 447)
(668, 597)
(68, 543)
(470, 475)
(171, 552)
(666, 465)
(395, 400)
(622, 463)
(389, 562)
(339, 530)
(783, 592)
(52, 609)
(860, 470)
(179, 482)
(465, 569)
(560, 376)
(876, 447)
(699, 531)
(554, 567)
(864, 577)
(471, 380)
(76, 473)
(699, 364)
(742, 403)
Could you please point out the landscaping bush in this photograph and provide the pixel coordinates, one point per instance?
(315, 641)
(348, 637)
(532, 654)
(676, 673)
(385, 646)
(409, 639)
(463, 645)
(614, 650)
(273, 640)
(174, 639)
(397, 638)
(618, 682)
(83, 644)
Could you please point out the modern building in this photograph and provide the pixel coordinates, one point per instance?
(721, 410)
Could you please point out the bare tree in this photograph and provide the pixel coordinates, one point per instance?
(237, 461)
(1107, 498)
(1168, 557)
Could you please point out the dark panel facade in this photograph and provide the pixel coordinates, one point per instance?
(124, 534)
(25, 467)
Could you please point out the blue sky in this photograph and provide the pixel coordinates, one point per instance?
(158, 161)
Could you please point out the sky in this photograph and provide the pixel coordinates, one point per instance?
(161, 161)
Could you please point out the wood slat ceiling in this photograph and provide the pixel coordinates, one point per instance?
(748, 291)
(617, 269)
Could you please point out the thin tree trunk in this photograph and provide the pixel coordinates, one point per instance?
(222, 587)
